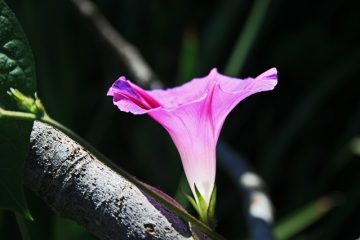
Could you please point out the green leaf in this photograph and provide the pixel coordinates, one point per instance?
(303, 218)
(16, 71)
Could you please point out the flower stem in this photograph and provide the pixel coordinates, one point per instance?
(17, 115)
(142, 186)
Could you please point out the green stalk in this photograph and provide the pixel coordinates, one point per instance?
(17, 115)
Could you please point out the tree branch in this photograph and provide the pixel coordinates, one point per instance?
(78, 186)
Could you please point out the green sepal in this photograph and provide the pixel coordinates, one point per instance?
(206, 212)
(192, 202)
(39, 105)
(26, 103)
(211, 209)
(202, 206)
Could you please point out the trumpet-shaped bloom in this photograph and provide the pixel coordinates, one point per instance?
(193, 115)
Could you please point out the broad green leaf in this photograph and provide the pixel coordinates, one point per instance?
(16, 71)
(303, 218)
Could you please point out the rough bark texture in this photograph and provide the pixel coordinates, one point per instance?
(78, 186)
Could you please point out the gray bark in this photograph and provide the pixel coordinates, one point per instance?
(78, 186)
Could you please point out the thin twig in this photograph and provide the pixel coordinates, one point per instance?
(127, 53)
(257, 202)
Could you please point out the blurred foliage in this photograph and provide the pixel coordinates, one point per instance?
(299, 137)
(303, 218)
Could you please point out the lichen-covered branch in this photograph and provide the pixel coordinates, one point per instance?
(78, 186)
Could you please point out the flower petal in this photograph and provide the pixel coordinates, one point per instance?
(194, 138)
(230, 91)
(129, 97)
(192, 91)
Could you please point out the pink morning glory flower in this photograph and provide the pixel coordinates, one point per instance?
(193, 114)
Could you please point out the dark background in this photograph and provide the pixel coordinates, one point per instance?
(297, 137)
